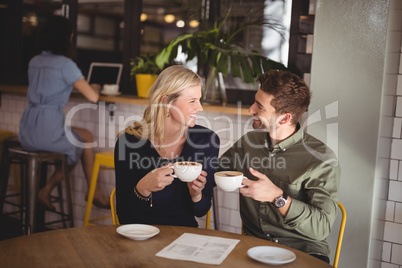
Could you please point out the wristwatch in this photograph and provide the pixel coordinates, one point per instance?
(281, 201)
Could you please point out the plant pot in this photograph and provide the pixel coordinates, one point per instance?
(144, 83)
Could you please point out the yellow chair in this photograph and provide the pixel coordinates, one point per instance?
(105, 159)
(116, 220)
(4, 134)
(340, 236)
(208, 220)
(113, 208)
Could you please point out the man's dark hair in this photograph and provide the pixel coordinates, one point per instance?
(291, 93)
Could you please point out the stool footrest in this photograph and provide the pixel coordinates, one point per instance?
(12, 204)
(11, 213)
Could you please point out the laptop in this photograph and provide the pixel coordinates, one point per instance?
(104, 73)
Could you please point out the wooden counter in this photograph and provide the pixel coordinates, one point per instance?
(131, 99)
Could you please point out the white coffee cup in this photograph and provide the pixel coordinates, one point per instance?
(187, 171)
(110, 88)
(229, 181)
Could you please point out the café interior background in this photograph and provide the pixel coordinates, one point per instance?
(356, 79)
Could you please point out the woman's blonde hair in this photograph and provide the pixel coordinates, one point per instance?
(170, 83)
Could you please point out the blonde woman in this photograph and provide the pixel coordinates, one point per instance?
(145, 190)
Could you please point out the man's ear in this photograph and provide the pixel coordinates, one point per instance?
(285, 118)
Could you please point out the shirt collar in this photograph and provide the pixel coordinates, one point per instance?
(287, 143)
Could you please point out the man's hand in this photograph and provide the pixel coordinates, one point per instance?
(262, 189)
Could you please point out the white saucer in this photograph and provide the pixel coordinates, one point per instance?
(271, 255)
(109, 93)
(138, 231)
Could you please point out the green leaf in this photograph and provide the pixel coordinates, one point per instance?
(277, 65)
(203, 57)
(235, 66)
(144, 64)
(173, 53)
(256, 66)
(213, 59)
(223, 64)
(247, 70)
(165, 56)
(192, 49)
(268, 64)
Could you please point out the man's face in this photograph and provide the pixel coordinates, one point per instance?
(264, 113)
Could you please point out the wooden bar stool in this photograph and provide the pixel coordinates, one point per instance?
(9, 139)
(33, 176)
(105, 159)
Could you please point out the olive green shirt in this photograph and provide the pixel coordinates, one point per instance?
(303, 167)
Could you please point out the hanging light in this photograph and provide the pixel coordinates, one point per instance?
(180, 23)
(194, 23)
(169, 18)
(143, 17)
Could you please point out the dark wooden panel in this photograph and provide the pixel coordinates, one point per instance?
(306, 24)
(303, 63)
(11, 60)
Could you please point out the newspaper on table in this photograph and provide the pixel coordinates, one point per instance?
(199, 248)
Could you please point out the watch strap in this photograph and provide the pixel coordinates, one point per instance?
(281, 201)
(285, 196)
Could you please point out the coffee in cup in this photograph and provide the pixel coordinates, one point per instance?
(187, 171)
(229, 181)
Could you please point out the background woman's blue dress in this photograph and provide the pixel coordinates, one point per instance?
(42, 126)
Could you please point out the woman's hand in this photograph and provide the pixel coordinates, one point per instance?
(155, 180)
(195, 187)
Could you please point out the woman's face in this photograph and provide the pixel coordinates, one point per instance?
(184, 110)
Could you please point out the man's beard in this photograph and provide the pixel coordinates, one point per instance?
(267, 124)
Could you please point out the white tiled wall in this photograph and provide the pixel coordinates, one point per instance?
(391, 256)
(229, 127)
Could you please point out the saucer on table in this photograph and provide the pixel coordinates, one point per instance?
(137, 231)
(271, 255)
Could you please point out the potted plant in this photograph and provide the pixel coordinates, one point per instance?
(145, 70)
(214, 46)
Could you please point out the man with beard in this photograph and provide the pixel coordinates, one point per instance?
(294, 200)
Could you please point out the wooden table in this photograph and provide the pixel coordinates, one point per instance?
(102, 246)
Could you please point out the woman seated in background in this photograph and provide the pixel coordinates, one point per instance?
(52, 75)
(146, 191)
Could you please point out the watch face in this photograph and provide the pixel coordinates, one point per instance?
(280, 202)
